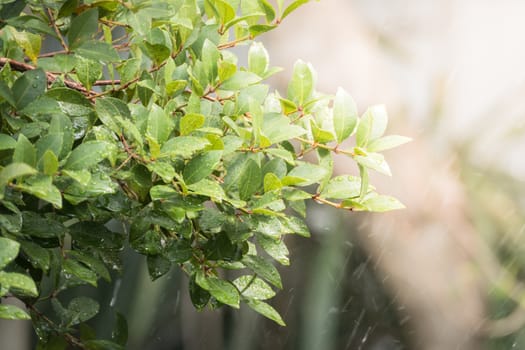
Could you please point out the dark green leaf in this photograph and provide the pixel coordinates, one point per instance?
(25, 152)
(74, 268)
(250, 180)
(83, 27)
(199, 296)
(92, 262)
(82, 309)
(120, 331)
(179, 251)
(158, 266)
(28, 87)
(201, 166)
(98, 51)
(36, 255)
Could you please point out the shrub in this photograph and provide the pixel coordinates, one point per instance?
(142, 129)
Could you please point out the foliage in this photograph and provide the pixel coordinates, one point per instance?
(143, 119)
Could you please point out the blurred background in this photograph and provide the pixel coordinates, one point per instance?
(445, 273)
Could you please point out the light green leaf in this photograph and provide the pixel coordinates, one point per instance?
(18, 283)
(190, 122)
(88, 71)
(163, 169)
(160, 124)
(25, 152)
(374, 161)
(275, 248)
(345, 115)
(301, 86)
(87, 155)
(266, 310)
(222, 290)
(240, 80)
(342, 187)
(253, 287)
(382, 203)
(41, 186)
(277, 128)
(271, 182)
(12, 312)
(201, 166)
(372, 125)
(7, 142)
(81, 176)
(108, 108)
(309, 173)
(13, 171)
(184, 146)
(263, 269)
(387, 142)
(208, 188)
(48, 163)
(8, 251)
(83, 27)
(258, 59)
(292, 7)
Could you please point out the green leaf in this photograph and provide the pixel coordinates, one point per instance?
(82, 309)
(52, 142)
(240, 80)
(179, 251)
(72, 267)
(201, 166)
(92, 263)
(163, 169)
(306, 173)
(158, 266)
(25, 152)
(263, 268)
(249, 180)
(296, 225)
(8, 251)
(102, 344)
(83, 177)
(29, 42)
(278, 128)
(41, 186)
(266, 310)
(275, 248)
(13, 171)
(292, 7)
(301, 86)
(184, 146)
(12, 312)
(87, 155)
(18, 283)
(253, 287)
(98, 51)
(88, 71)
(36, 255)
(258, 59)
(371, 126)
(48, 163)
(28, 87)
(271, 182)
(6, 93)
(387, 142)
(342, 187)
(190, 122)
(382, 203)
(210, 189)
(199, 296)
(224, 291)
(120, 331)
(375, 161)
(345, 115)
(83, 27)
(160, 124)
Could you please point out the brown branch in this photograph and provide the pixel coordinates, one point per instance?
(57, 31)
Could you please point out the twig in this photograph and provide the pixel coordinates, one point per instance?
(57, 31)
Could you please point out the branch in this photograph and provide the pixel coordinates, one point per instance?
(23, 67)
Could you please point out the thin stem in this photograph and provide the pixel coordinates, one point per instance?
(57, 31)
(235, 42)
